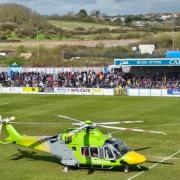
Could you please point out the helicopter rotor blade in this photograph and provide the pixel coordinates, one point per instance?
(7, 120)
(77, 130)
(69, 118)
(159, 162)
(141, 149)
(107, 123)
(129, 122)
(44, 123)
(131, 129)
(121, 122)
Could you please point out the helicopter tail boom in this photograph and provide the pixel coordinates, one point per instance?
(34, 142)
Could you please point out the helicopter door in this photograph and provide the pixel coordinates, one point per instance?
(108, 153)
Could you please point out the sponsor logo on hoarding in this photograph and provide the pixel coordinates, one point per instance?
(30, 89)
(176, 61)
(65, 91)
(148, 62)
(173, 91)
(81, 90)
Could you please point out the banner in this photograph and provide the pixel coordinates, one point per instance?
(30, 89)
(73, 91)
(5, 90)
(62, 91)
(97, 91)
(148, 62)
(16, 90)
(154, 92)
(84, 91)
(173, 91)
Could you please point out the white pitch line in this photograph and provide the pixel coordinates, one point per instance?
(4, 104)
(160, 157)
(163, 160)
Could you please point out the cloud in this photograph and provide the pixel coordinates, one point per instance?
(112, 7)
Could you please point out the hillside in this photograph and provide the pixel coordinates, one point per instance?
(94, 42)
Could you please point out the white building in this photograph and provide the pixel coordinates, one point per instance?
(146, 48)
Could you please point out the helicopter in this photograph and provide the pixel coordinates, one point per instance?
(83, 147)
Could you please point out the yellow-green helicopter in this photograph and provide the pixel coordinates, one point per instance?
(85, 146)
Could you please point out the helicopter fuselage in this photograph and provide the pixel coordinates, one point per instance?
(93, 148)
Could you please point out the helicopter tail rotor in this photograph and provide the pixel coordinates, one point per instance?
(4, 121)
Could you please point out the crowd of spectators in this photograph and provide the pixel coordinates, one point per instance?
(88, 79)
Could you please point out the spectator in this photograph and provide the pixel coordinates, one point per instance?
(88, 79)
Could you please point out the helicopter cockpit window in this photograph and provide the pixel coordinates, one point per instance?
(108, 152)
(118, 147)
(94, 152)
(85, 151)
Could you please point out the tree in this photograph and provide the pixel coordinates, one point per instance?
(128, 20)
(82, 13)
(118, 21)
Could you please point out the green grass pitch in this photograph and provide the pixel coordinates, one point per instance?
(154, 111)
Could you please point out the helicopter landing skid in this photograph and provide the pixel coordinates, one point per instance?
(66, 169)
(126, 168)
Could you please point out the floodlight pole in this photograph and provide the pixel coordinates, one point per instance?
(37, 42)
(173, 37)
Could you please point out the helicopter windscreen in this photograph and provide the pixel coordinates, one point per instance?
(119, 148)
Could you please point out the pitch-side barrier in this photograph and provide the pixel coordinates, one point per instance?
(154, 92)
(90, 91)
(57, 90)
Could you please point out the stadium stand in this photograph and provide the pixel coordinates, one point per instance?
(91, 79)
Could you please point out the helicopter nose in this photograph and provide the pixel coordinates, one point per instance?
(133, 158)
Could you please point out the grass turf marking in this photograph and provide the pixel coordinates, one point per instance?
(3, 104)
(163, 160)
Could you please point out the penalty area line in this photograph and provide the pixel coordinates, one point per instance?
(163, 160)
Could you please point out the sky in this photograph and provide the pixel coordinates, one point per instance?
(110, 7)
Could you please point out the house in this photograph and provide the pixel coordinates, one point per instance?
(146, 48)
(3, 54)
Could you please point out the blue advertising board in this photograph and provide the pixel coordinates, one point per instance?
(173, 92)
(148, 62)
(173, 54)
